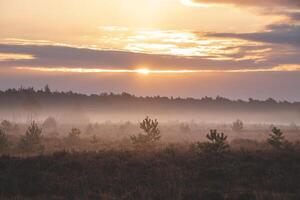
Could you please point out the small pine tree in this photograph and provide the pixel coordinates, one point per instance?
(151, 134)
(74, 133)
(238, 126)
(50, 127)
(73, 139)
(47, 89)
(276, 139)
(217, 143)
(4, 144)
(32, 140)
(94, 140)
(6, 125)
(9, 127)
(50, 123)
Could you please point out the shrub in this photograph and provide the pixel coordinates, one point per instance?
(73, 137)
(94, 140)
(217, 143)
(4, 144)
(74, 133)
(238, 126)
(151, 134)
(50, 124)
(277, 140)
(32, 140)
(6, 125)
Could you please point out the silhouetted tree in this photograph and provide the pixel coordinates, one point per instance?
(32, 140)
(277, 140)
(217, 143)
(73, 137)
(293, 127)
(9, 127)
(47, 89)
(94, 139)
(50, 125)
(6, 125)
(238, 126)
(4, 144)
(74, 133)
(50, 122)
(150, 136)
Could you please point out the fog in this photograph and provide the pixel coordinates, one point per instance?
(114, 118)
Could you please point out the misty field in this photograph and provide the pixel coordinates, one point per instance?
(108, 161)
(149, 100)
(71, 155)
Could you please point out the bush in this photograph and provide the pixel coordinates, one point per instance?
(4, 144)
(6, 125)
(238, 126)
(9, 127)
(73, 137)
(32, 140)
(74, 133)
(50, 125)
(277, 140)
(216, 145)
(151, 134)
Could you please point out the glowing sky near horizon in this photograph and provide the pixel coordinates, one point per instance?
(187, 38)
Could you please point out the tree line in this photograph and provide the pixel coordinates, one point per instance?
(31, 98)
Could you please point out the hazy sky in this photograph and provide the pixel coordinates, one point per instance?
(233, 48)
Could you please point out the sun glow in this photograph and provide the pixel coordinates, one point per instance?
(193, 4)
(14, 56)
(143, 71)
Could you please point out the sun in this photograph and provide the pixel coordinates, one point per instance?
(193, 4)
(143, 71)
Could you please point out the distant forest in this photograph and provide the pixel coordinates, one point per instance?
(46, 101)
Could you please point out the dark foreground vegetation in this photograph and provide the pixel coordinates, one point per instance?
(147, 169)
(170, 173)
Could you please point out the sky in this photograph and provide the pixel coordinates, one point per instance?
(189, 48)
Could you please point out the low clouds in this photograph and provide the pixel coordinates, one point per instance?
(256, 3)
(283, 39)
(278, 45)
(64, 56)
(294, 16)
(283, 36)
(288, 8)
(242, 58)
(274, 34)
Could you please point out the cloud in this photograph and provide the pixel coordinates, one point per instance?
(294, 16)
(274, 34)
(288, 8)
(65, 56)
(9, 57)
(256, 3)
(278, 45)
